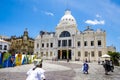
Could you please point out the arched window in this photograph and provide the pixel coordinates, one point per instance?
(65, 34)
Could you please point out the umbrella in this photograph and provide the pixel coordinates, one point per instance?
(105, 56)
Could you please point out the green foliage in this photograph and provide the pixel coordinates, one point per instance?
(115, 56)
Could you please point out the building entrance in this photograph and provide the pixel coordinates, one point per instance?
(63, 54)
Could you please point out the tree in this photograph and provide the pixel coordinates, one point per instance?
(115, 56)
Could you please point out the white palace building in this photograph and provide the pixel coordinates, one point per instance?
(67, 42)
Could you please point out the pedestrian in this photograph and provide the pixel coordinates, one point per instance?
(111, 65)
(36, 73)
(68, 60)
(85, 67)
(102, 62)
(106, 66)
(99, 62)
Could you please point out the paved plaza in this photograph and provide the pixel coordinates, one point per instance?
(61, 70)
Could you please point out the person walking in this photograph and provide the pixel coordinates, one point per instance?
(85, 67)
(111, 65)
(68, 60)
(106, 66)
(36, 73)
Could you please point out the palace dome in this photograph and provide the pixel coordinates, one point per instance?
(68, 18)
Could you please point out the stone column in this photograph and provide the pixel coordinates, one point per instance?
(60, 54)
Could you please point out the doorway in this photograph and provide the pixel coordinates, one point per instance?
(63, 54)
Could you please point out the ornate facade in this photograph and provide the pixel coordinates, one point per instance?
(23, 44)
(67, 42)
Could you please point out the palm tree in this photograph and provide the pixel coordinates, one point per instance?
(115, 56)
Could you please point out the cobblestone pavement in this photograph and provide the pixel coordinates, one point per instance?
(61, 70)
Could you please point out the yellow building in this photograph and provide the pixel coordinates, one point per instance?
(23, 44)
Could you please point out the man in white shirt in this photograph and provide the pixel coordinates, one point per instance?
(36, 73)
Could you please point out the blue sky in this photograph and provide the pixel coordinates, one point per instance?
(37, 15)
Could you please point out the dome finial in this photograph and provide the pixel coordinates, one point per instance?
(67, 12)
(26, 32)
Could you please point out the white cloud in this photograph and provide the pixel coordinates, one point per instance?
(49, 13)
(95, 22)
(98, 16)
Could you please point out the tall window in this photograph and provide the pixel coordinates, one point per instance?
(64, 43)
(92, 53)
(41, 54)
(46, 54)
(99, 53)
(99, 42)
(86, 53)
(42, 44)
(51, 44)
(59, 43)
(78, 43)
(65, 34)
(5, 47)
(79, 54)
(92, 43)
(47, 44)
(69, 42)
(85, 43)
(37, 45)
(51, 54)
